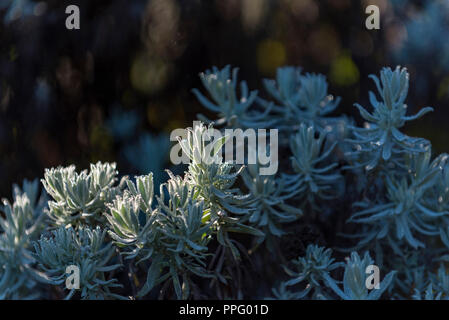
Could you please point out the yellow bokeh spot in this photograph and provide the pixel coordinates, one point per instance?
(149, 74)
(443, 89)
(344, 71)
(101, 142)
(153, 116)
(271, 54)
(13, 55)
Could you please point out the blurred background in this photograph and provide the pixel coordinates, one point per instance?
(113, 90)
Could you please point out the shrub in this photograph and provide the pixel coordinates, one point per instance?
(200, 236)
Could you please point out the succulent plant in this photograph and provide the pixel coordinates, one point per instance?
(403, 215)
(22, 222)
(302, 99)
(200, 236)
(269, 202)
(80, 197)
(233, 111)
(173, 235)
(354, 280)
(85, 249)
(380, 139)
(312, 271)
(313, 178)
(213, 181)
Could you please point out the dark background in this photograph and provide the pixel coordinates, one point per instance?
(79, 96)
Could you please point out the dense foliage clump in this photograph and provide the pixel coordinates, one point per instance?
(347, 199)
